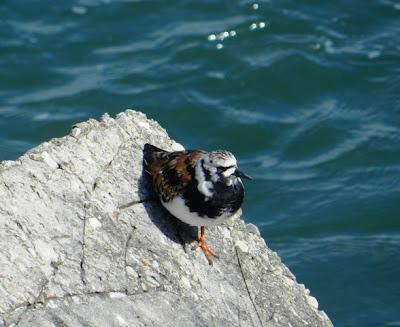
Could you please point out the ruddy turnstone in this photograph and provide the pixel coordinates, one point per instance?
(199, 188)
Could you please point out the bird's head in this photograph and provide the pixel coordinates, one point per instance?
(222, 166)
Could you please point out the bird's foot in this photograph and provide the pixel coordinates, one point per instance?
(210, 254)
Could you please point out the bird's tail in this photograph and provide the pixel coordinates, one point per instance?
(149, 153)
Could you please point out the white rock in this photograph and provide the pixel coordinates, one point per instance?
(45, 251)
(94, 222)
(242, 246)
(312, 301)
(49, 160)
(138, 250)
(117, 295)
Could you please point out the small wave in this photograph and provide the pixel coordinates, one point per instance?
(349, 244)
(40, 27)
(345, 147)
(393, 323)
(284, 176)
(131, 48)
(10, 149)
(88, 79)
(54, 116)
(8, 112)
(253, 117)
(302, 117)
(315, 122)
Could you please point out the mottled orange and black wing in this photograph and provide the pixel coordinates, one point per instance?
(170, 171)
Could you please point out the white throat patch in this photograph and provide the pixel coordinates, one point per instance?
(204, 187)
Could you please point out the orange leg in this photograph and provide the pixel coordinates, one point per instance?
(210, 254)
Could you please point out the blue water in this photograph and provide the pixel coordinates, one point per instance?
(305, 93)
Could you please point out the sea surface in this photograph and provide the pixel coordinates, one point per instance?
(305, 93)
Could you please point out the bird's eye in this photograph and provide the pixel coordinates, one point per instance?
(221, 169)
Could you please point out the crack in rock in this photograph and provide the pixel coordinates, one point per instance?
(40, 299)
(82, 262)
(247, 287)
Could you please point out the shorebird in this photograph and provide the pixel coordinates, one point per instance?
(199, 188)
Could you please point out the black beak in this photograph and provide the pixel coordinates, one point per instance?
(241, 174)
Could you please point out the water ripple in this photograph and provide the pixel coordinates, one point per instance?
(88, 79)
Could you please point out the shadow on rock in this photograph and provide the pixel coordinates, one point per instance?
(170, 226)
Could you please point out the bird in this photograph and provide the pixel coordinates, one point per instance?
(199, 188)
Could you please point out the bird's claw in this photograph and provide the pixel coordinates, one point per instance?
(210, 254)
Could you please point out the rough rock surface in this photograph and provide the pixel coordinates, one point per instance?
(83, 243)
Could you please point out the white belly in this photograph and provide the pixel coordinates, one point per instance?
(178, 208)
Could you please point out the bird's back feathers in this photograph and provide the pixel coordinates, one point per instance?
(170, 171)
